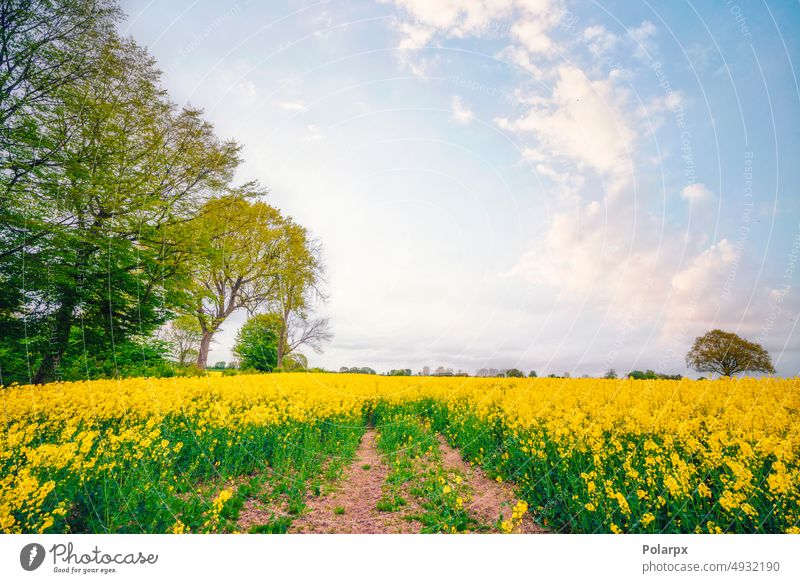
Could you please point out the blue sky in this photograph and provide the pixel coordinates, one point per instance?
(550, 185)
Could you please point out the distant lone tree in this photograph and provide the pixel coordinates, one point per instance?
(727, 354)
(514, 373)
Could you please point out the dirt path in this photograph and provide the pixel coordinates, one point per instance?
(351, 508)
(490, 499)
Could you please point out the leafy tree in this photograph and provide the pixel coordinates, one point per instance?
(238, 250)
(357, 370)
(295, 362)
(727, 354)
(514, 373)
(184, 334)
(257, 343)
(611, 374)
(532, 374)
(651, 375)
(297, 286)
(89, 235)
(132, 357)
(45, 48)
(219, 365)
(640, 376)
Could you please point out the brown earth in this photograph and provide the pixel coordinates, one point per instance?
(360, 491)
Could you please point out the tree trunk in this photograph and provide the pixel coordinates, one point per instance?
(58, 341)
(283, 338)
(205, 343)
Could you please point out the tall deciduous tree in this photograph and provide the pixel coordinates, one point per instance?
(94, 247)
(298, 285)
(238, 249)
(184, 334)
(45, 47)
(727, 354)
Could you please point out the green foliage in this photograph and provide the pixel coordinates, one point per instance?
(257, 343)
(89, 232)
(413, 454)
(117, 212)
(295, 362)
(532, 374)
(651, 375)
(181, 483)
(134, 357)
(514, 373)
(238, 246)
(357, 370)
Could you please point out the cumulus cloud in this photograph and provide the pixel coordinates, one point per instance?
(599, 39)
(528, 22)
(461, 113)
(585, 120)
(697, 192)
(602, 244)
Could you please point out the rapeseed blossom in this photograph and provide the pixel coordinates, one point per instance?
(590, 455)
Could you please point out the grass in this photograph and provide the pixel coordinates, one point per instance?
(390, 503)
(339, 510)
(412, 450)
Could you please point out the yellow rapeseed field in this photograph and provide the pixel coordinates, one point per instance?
(585, 455)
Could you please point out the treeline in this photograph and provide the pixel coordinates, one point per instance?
(119, 212)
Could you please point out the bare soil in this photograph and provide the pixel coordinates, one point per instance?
(351, 508)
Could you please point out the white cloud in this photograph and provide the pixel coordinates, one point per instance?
(522, 58)
(585, 120)
(527, 22)
(292, 106)
(599, 39)
(459, 17)
(644, 32)
(415, 36)
(461, 113)
(697, 192)
(693, 277)
(532, 33)
(643, 36)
